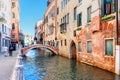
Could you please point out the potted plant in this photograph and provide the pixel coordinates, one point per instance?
(109, 17)
(119, 11)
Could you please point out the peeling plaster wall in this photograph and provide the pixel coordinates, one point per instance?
(97, 32)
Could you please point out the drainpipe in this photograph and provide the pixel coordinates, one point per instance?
(55, 22)
(44, 30)
(117, 29)
(55, 16)
(117, 57)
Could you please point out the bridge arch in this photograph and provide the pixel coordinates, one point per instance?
(26, 49)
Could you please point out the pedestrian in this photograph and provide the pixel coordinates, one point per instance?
(10, 50)
(6, 51)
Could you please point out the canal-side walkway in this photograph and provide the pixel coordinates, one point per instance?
(7, 64)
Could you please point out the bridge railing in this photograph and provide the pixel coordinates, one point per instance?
(54, 49)
(20, 67)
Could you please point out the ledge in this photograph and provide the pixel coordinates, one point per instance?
(78, 28)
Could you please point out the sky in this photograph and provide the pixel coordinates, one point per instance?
(31, 11)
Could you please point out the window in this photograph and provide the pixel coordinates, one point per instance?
(64, 3)
(61, 5)
(13, 37)
(107, 7)
(64, 22)
(89, 14)
(89, 46)
(57, 10)
(61, 21)
(3, 41)
(13, 15)
(109, 47)
(79, 1)
(50, 29)
(67, 21)
(61, 42)
(2, 27)
(65, 42)
(13, 26)
(13, 4)
(46, 19)
(6, 42)
(5, 29)
(79, 19)
(63, 27)
(74, 33)
(79, 47)
(75, 13)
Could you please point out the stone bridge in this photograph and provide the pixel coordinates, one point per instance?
(51, 48)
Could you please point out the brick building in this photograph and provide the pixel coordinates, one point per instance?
(15, 23)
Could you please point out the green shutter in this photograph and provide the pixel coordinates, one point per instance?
(113, 5)
(79, 47)
(89, 14)
(102, 8)
(109, 47)
(78, 20)
(89, 47)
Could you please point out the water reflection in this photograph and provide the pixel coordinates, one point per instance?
(42, 66)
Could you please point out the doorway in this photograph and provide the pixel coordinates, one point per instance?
(72, 50)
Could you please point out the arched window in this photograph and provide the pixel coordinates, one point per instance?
(13, 26)
(13, 15)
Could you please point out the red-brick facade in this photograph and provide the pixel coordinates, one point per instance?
(15, 21)
(97, 32)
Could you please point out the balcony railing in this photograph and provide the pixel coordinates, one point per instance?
(63, 28)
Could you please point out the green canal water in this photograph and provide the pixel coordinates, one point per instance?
(39, 65)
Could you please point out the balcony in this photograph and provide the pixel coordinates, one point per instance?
(2, 17)
(63, 28)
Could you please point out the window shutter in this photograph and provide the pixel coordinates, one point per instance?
(102, 8)
(113, 5)
(109, 47)
(78, 20)
(89, 14)
(108, 1)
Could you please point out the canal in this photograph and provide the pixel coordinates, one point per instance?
(41, 65)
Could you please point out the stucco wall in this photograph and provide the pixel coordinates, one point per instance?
(64, 50)
(51, 21)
